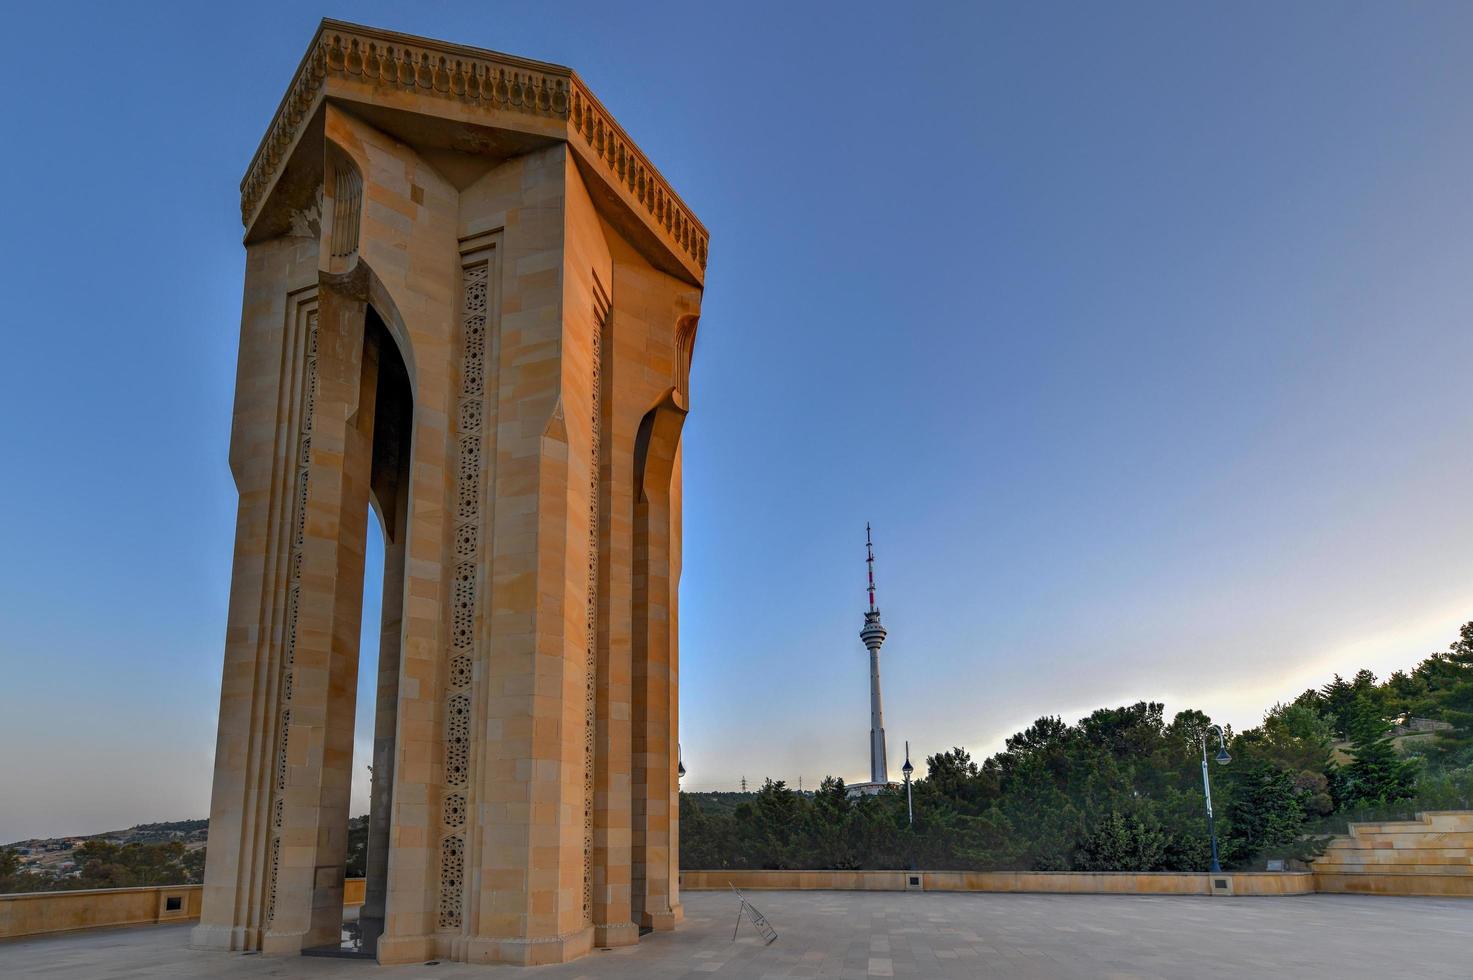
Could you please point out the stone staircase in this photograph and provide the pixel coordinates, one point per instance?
(1432, 855)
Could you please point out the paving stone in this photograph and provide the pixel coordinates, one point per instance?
(927, 935)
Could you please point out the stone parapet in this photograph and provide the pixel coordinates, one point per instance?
(39, 913)
(1064, 882)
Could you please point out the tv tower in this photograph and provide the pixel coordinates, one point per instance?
(873, 636)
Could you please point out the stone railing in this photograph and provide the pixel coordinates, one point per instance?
(631, 169)
(38, 913)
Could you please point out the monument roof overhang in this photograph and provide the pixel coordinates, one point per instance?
(452, 96)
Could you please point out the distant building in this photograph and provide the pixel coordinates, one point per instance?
(1418, 726)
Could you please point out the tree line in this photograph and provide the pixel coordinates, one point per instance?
(104, 864)
(1121, 790)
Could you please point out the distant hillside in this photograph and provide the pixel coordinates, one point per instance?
(189, 832)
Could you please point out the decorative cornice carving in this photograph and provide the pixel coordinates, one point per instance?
(631, 168)
(472, 77)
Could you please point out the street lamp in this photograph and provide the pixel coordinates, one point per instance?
(1223, 759)
(906, 770)
(679, 763)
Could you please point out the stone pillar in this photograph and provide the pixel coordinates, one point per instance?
(393, 423)
(674, 551)
(307, 907)
(264, 454)
(654, 738)
(613, 914)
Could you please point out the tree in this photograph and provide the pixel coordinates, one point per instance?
(1455, 701)
(9, 871)
(193, 863)
(1266, 815)
(1338, 697)
(829, 838)
(1120, 789)
(102, 864)
(952, 774)
(1297, 739)
(356, 865)
(1123, 843)
(1376, 774)
(1189, 728)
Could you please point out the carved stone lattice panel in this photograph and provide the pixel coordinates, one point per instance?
(466, 538)
(460, 669)
(590, 708)
(455, 810)
(275, 869)
(302, 455)
(281, 756)
(470, 415)
(452, 881)
(463, 597)
(457, 740)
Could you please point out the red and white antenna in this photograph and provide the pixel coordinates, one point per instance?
(869, 549)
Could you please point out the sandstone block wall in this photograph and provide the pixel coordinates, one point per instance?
(1432, 855)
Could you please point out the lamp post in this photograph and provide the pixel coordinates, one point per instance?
(905, 771)
(1222, 759)
(910, 812)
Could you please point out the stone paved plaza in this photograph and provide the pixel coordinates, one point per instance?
(858, 934)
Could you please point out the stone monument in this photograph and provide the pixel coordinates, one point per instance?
(470, 305)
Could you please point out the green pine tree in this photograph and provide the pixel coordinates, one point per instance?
(1338, 699)
(1377, 774)
(1455, 702)
(1266, 815)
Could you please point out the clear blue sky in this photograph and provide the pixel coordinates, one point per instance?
(1140, 331)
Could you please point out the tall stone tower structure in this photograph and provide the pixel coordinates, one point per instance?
(872, 635)
(470, 306)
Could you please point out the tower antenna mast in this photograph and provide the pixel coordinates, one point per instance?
(869, 550)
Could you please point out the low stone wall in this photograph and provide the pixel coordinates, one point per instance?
(845, 881)
(1065, 882)
(38, 913)
(353, 891)
(1120, 882)
(1432, 855)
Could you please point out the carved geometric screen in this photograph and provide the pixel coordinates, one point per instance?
(590, 667)
(301, 455)
(460, 659)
